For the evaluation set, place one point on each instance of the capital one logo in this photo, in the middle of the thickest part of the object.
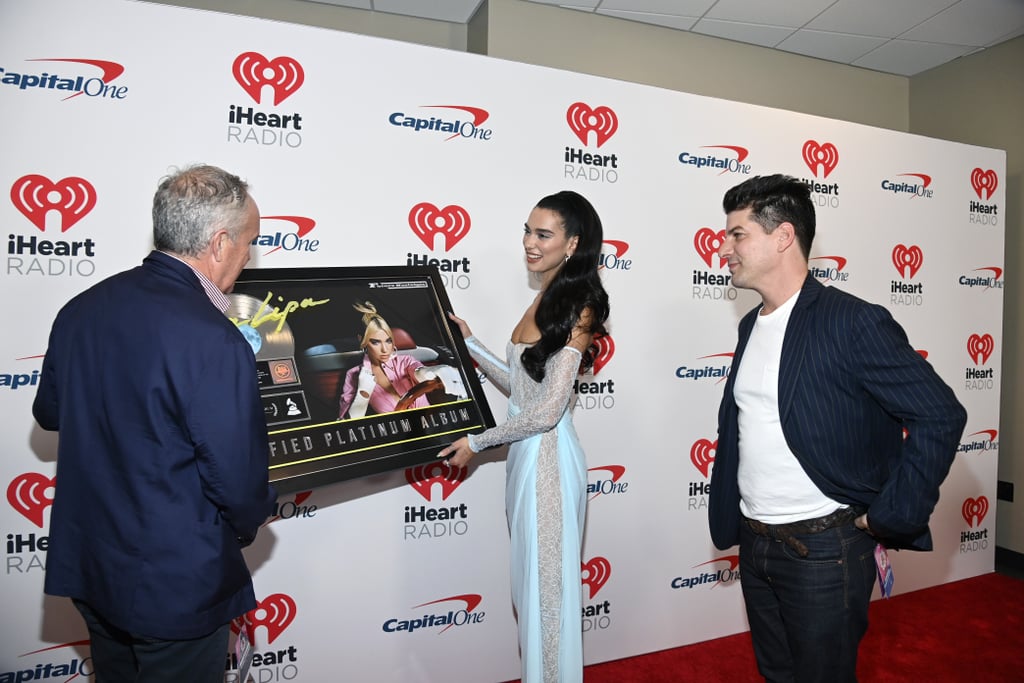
(36, 195)
(606, 485)
(582, 120)
(289, 241)
(427, 221)
(613, 260)
(423, 478)
(91, 87)
(907, 260)
(984, 183)
(974, 510)
(253, 71)
(702, 455)
(605, 350)
(707, 242)
(824, 157)
(274, 613)
(30, 494)
(980, 347)
(594, 574)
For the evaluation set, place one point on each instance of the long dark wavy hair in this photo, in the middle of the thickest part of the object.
(575, 288)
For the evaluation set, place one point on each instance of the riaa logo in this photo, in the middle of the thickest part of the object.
(254, 73)
(293, 238)
(594, 574)
(449, 224)
(706, 284)
(435, 522)
(821, 159)
(974, 511)
(93, 86)
(984, 184)
(907, 261)
(586, 122)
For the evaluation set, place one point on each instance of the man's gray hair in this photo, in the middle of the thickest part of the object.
(192, 204)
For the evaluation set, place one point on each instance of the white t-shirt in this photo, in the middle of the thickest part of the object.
(774, 488)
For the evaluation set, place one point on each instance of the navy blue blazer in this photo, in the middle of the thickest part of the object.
(849, 383)
(162, 457)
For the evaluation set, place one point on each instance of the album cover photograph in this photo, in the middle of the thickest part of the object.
(360, 369)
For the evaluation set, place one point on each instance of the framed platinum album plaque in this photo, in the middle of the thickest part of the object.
(360, 370)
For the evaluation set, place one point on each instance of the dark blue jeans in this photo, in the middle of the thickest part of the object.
(807, 615)
(122, 657)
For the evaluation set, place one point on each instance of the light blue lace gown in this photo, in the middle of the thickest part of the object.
(545, 501)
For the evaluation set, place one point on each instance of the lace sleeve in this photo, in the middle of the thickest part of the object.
(492, 366)
(542, 415)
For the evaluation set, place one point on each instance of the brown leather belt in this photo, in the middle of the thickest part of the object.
(787, 532)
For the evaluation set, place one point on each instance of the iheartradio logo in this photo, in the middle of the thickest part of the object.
(974, 510)
(253, 71)
(907, 260)
(702, 455)
(980, 347)
(274, 612)
(27, 493)
(595, 574)
(824, 156)
(984, 183)
(427, 221)
(605, 350)
(707, 243)
(423, 478)
(582, 120)
(35, 196)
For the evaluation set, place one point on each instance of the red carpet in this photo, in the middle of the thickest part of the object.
(970, 630)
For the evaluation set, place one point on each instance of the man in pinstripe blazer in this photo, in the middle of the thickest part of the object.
(834, 436)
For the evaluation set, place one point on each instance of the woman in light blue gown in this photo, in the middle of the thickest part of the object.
(545, 491)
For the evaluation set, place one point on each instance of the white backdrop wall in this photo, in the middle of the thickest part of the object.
(100, 98)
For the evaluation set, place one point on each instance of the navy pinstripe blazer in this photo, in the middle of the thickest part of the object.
(849, 384)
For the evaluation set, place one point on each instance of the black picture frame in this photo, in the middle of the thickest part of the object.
(306, 335)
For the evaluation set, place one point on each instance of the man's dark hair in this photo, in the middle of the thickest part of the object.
(775, 199)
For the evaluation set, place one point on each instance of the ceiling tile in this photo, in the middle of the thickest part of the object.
(356, 4)
(755, 34)
(835, 47)
(883, 18)
(792, 13)
(677, 8)
(906, 57)
(970, 22)
(676, 22)
(457, 11)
